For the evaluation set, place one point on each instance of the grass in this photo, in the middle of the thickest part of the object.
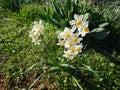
(22, 62)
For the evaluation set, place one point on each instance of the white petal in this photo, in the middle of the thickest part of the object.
(80, 28)
(83, 34)
(72, 22)
(80, 39)
(85, 24)
(66, 29)
(35, 22)
(76, 17)
(80, 31)
(40, 22)
(80, 17)
(73, 28)
(58, 32)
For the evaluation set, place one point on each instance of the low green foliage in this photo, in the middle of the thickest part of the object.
(16, 5)
(30, 12)
(13, 5)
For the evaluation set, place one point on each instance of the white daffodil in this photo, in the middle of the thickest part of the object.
(38, 24)
(84, 29)
(76, 39)
(61, 43)
(69, 43)
(36, 41)
(66, 34)
(79, 48)
(77, 22)
(32, 34)
(68, 54)
(73, 50)
(39, 31)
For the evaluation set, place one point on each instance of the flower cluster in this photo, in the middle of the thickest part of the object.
(71, 38)
(36, 32)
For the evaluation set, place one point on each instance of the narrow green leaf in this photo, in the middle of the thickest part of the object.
(77, 83)
(101, 35)
(68, 4)
(67, 65)
(89, 69)
(97, 30)
(103, 25)
(54, 69)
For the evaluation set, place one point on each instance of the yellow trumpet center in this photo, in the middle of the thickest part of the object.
(61, 44)
(75, 40)
(70, 44)
(68, 54)
(79, 49)
(39, 31)
(32, 34)
(73, 50)
(35, 40)
(86, 29)
(68, 35)
(38, 25)
(79, 22)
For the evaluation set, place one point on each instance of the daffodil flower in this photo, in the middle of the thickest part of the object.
(68, 54)
(84, 29)
(80, 25)
(77, 22)
(36, 41)
(37, 30)
(66, 34)
(69, 44)
(61, 43)
(79, 48)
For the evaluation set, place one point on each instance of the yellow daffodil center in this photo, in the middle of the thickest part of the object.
(70, 44)
(74, 56)
(75, 40)
(38, 31)
(61, 44)
(35, 40)
(68, 35)
(79, 49)
(73, 50)
(68, 54)
(79, 22)
(32, 34)
(38, 25)
(86, 29)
